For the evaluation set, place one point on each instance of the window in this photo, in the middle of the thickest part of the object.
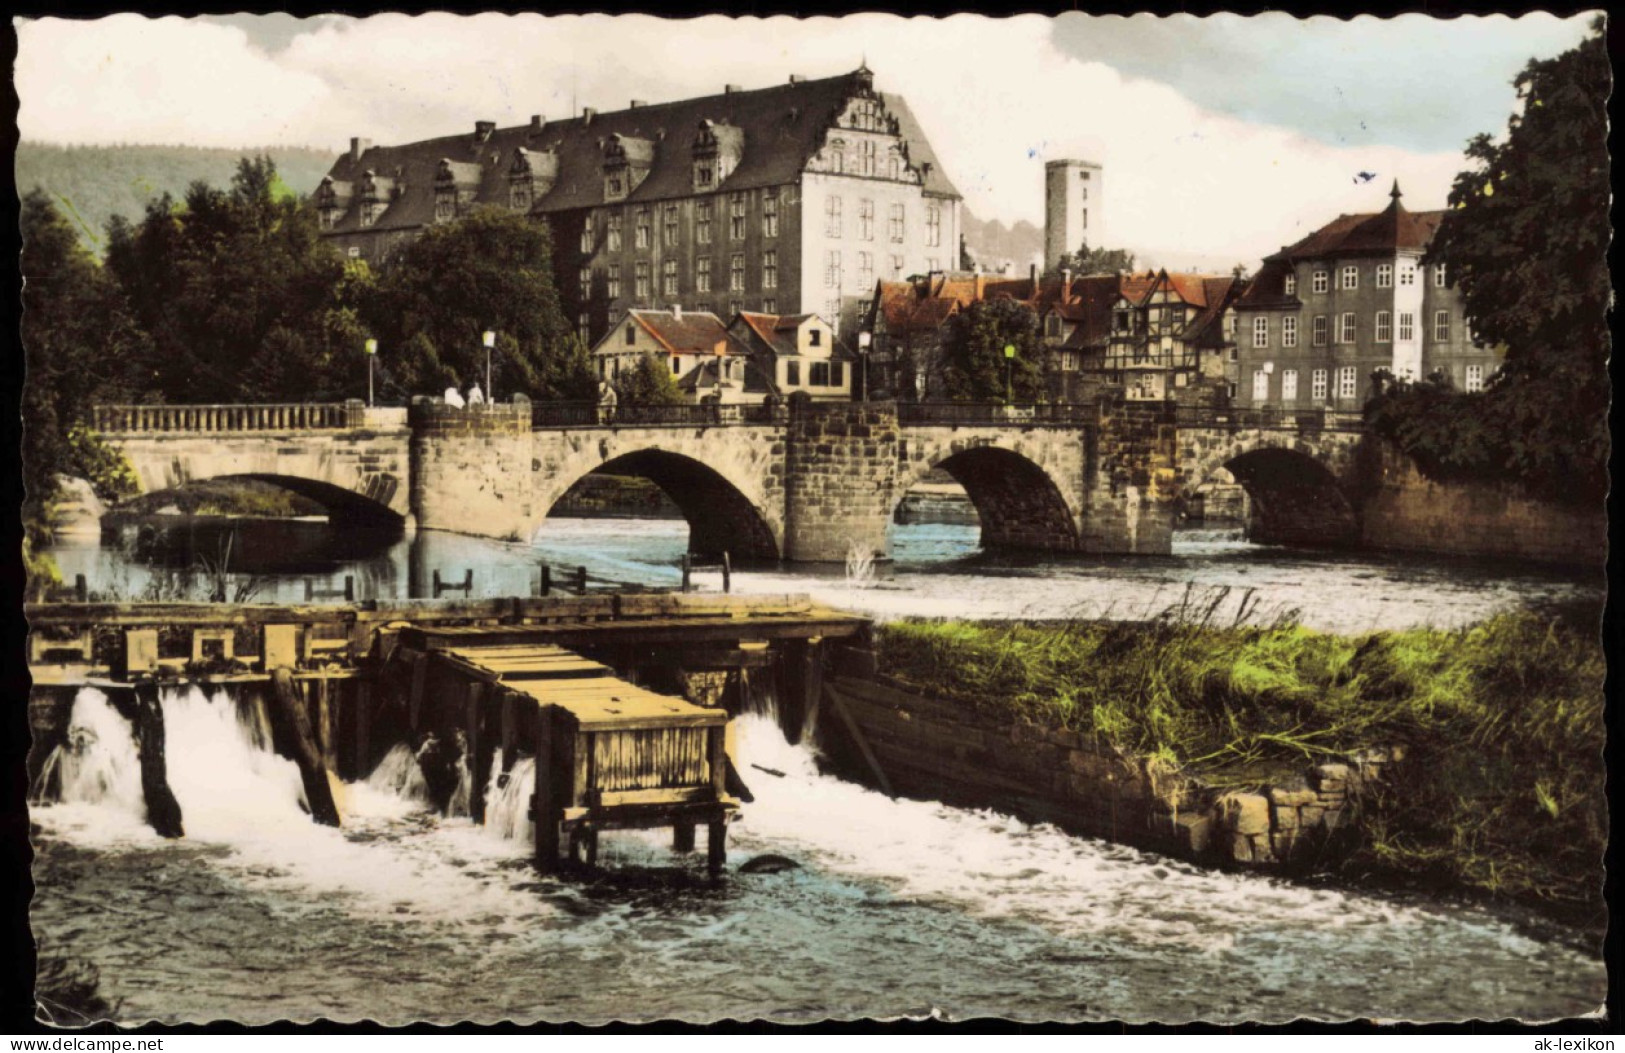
(815, 338)
(1261, 386)
(702, 174)
(354, 252)
(792, 373)
(770, 306)
(933, 225)
(1385, 275)
(1345, 382)
(702, 222)
(1317, 385)
(586, 237)
(866, 219)
(736, 217)
(1345, 328)
(832, 269)
(1322, 281)
(1085, 219)
(669, 233)
(866, 157)
(736, 273)
(614, 232)
(866, 269)
(770, 270)
(832, 217)
(837, 374)
(1318, 335)
(1289, 330)
(1475, 378)
(586, 282)
(445, 208)
(1407, 273)
(702, 276)
(676, 363)
(818, 375)
(1291, 285)
(770, 213)
(1261, 331)
(832, 310)
(584, 329)
(668, 278)
(1289, 385)
(1438, 276)
(733, 308)
(1407, 326)
(612, 281)
(642, 235)
(1441, 326)
(894, 221)
(640, 279)
(631, 334)
(892, 169)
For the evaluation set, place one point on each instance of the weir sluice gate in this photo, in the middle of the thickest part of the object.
(622, 703)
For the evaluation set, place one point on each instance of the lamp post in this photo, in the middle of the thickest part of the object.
(372, 356)
(1009, 365)
(490, 340)
(864, 340)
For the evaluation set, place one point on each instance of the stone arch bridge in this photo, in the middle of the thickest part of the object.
(810, 483)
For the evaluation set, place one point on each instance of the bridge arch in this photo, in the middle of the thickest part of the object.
(1303, 490)
(1027, 491)
(731, 502)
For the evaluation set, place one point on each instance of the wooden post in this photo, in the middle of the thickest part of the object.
(420, 676)
(468, 582)
(581, 581)
(716, 847)
(81, 589)
(349, 588)
(363, 730)
(812, 679)
(688, 569)
(510, 730)
(163, 811)
(318, 792)
(682, 837)
(327, 720)
(547, 579)
(310, 590)
(479, 758)
(727, 573)
(862, 743)
(544, 803)
(437, 584)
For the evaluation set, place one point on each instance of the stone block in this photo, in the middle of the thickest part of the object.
(1285, 817)
(140, 650)
(280, 647)
(1330, 777)
(1241, 848)
(1292, 798)
(1247, 813)
(1262, 853)
(1281, 843)
(1310, 815)
(1193, 831)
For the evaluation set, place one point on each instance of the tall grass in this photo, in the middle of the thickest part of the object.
(1502, 787)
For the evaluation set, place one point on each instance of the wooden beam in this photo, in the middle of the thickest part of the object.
(545, 805)
(861, 742)
(163, 811)
(479, 754)
(420, 676)
(318, 791)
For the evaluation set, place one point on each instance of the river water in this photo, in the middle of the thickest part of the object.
(897, 908)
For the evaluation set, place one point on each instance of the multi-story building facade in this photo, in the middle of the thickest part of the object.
(1354, 297)
(785, 200)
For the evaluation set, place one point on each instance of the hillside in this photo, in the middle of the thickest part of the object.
(92, 184)
(992, 243)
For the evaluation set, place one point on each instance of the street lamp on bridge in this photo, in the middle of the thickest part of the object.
(1009, 365)
(372, 356)
(490, 339)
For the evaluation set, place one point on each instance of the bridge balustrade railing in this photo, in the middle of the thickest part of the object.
(994, 413)
(595, 415)
(287, 416)
(1308, 421)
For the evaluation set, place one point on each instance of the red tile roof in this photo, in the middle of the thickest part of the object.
(693, 333)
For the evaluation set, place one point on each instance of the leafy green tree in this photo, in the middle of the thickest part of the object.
(648, 383)
(1087, 261)
(973, 362)
(81, 346)
(967, 262)
(1525, 240)
(490, 271)
(242, 297)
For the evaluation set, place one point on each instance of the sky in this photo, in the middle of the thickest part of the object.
(1222, 137)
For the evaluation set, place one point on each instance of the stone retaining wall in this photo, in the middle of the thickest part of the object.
(948, 751)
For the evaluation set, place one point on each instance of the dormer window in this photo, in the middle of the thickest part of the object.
(626, 163)
(716, 151)
(445, 205)
(531, 174)
(519, 197)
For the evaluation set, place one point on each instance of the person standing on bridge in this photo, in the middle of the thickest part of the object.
(453, 398)
(476, 397)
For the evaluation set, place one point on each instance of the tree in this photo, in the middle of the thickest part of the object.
(967, 262)
(974, 365)
(648, 383)
(81, 346)
(490, 271)
(1525, 240)
(1087, 261)
(242, 297)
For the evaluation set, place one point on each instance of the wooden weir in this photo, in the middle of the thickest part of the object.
(610, 754)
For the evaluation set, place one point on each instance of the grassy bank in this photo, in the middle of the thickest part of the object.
(226, 497)
(1502, 789)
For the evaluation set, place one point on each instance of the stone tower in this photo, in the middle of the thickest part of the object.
(1074, 208)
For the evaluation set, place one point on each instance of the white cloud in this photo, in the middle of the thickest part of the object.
(996, 96)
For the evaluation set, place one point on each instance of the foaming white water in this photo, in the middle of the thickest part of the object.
(996, 865)
(399, 775)
(98, 762)
(507, 801)
(236, 794)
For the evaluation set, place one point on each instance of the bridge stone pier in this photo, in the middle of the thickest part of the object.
(814, 482)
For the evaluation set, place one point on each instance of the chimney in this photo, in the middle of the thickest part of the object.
(483, 130)
(587, 114)
(731, 89)
(359, 147)
(925, 168)
(1066, 281)
(796, 78)
(677, 311)
(637, 104)
(536, 124)
(1032, 274)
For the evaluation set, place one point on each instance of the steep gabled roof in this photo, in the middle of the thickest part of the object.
(692, 333)
(782, 127)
